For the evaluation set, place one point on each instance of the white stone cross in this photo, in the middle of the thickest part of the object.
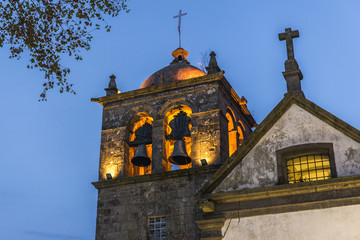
(179, 25)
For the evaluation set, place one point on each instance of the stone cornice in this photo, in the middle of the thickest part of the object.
(333, 184)
(156, 176)
(161, 88)
(328, 193)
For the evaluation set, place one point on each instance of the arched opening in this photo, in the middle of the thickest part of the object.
(232, 132)
(136, 123)
(241, 130)
(168, 145)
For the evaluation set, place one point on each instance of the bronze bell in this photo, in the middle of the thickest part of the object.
(141, 158)
(179, 155)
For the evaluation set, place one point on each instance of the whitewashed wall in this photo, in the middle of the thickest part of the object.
(296, 126)
(330, 224)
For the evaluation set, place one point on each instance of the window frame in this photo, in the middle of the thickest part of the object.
(148, 224)
(285, 154)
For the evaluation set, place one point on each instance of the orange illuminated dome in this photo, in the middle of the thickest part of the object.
(179, 69)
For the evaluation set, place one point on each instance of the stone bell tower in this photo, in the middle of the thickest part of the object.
(159, 144)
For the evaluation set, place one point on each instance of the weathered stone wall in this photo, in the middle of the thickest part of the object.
(226, 100)
(208, 133)
(202, 99)
(112, 153)
(297, 126)
(205, 137)
(123, 210)
(330, 223)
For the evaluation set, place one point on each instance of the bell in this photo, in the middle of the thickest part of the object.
(179, 155)
(141, 158)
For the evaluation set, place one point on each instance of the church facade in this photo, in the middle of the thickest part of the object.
(179, 160)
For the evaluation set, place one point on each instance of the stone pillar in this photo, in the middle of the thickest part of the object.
(224, 138)
(293, 81)
(112, 157)
(205, 137)
(157, 142)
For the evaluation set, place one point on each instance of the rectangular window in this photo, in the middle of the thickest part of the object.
(306, 162)
(157, 228)
(308, 168)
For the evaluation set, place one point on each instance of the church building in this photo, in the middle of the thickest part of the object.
(182, 158)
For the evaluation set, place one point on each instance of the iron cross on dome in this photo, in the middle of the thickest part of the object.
(179, 24)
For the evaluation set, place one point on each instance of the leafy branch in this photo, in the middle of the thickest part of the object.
(49, 29)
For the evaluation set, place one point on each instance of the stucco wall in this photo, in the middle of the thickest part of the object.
(330, 223)
(297, 126)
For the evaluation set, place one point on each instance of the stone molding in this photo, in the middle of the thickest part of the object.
(211, 228)
(331, 184)
(329, 193)
(156, 176)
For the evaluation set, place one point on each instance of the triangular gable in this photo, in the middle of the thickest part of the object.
(267, 124)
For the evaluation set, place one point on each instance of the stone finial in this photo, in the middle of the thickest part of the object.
(213, 66)
(112, 89)
(292, 73)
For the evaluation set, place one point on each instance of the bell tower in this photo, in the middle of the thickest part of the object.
(160, 143)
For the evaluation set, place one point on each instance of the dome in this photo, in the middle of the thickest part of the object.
(179, 69)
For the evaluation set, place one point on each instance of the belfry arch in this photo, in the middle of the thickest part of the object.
(168, 144)
(136, 122)
(232, 131)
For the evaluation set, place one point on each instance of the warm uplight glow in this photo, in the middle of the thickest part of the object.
(240, 133)
(178, 74)
(187, 73)
(203, 162)
(110, 168)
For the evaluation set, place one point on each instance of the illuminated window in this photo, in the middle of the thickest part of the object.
(157, 228)
(306, 162)
(308, 168)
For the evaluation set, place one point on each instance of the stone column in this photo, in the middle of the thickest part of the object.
(224, 138)
(112, 158)
(205, 137)
(157, 151)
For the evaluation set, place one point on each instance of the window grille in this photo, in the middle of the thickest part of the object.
(157, 228)
(308, 168)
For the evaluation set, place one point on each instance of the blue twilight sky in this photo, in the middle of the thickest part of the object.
(50, 151)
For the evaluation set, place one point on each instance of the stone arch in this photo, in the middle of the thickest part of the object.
(241, 133)
(232, 131)
(177, 102)
(129, 114)
(171, 111)
(137, 119)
